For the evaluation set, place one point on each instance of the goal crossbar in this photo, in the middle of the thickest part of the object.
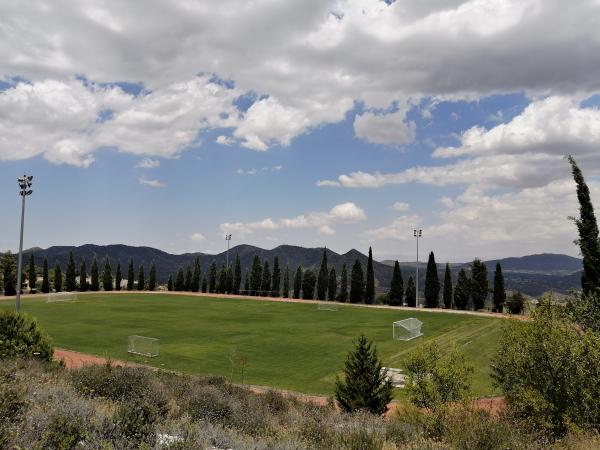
(407, 329)
(143, 346)
(61, 297)
(327, 306)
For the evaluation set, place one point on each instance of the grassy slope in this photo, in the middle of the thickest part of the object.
(287, 345)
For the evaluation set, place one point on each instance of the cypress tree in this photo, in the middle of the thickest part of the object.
(366, 386)
(187, 284)
(152, 277)
(179, 280)
(308, 284)
(170, 283)
(286, 281)
(462, 290)
(204, 284)
(357, 283)
(70, 276)
(83, 283)
(10, 281)
(57, 278)
(130, 276)
(256, 275)
(118, 277)
(370, 286)
(95, 275)
(107, 278)
(32, 275)
(588, 233)
(298, 282)
(212, 278)
(432, 284)
(323, 278)
(479, 285)
(276, 277)
(396, 294)
(448, 288)
(195, 285)
(45, 278)
(247, 282)
(499, 292)
(266, 279)
(141, 284)
(229, 285)
(344, 284)
(411, 293)
(222, 280)
(332, 285)
(237, 275)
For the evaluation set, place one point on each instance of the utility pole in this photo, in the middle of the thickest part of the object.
(228, 239)
(24, 190)
(418, 234)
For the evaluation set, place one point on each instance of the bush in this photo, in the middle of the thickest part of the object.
(20, 336)
(515, 303)
(63, 433)
(136, 420)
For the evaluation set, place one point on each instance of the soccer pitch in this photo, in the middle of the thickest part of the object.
(285, 345)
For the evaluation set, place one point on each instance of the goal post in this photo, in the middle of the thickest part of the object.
(53, 297)
(407, 329)
(143, 346)
(327, 306)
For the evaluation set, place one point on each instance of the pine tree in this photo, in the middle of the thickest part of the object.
(396, 295)
(222, 280)
(256, 275)
(95, 276)
(276, 277)
(357, 283)
(170, 283)
(432, 284)
(212, 278)
(195, 286)
(70, 276)
(188, 279)
(118, 277)
(204, 286)
(366, 386)
(32, 274)
(499, 292)
(286, 281)
(411, 293)
(179, 280)
(237, 275)
(45, 278)
(309, 280)
(344, 284)
(152, 277)
(83, 283)
(247, 284)
(10, 279)
(265, 284)
(370, 286)
(130, 276)
(323, 278)
(107, 278)
(588, 233)
(229, 285)
(298, 282)
(332, 285)
(141, 284)
(448, 288)
(57, 278)
(479, 285)
(462, 290)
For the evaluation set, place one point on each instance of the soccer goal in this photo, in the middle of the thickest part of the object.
(407, 329)
(61, 297)
(142, 345)
(327, 306)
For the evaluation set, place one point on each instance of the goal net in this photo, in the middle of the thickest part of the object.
(142, 345)
(407, 329)
(61, 297)
(326, 306)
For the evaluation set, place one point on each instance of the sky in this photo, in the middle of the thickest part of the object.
(344, 124)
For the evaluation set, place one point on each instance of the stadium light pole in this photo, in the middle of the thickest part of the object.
(418, 234)
(24, 190)
(228, 239)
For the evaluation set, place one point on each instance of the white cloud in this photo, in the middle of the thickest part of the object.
(225, 140)
(151, 183)
(198, 237)
(148, 163)
(400, 206)
(257, 171)
(386, 129)
(400, 229)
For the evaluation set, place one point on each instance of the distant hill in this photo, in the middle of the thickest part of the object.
(532, 275)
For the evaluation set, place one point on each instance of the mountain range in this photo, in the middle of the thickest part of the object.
(532, 275)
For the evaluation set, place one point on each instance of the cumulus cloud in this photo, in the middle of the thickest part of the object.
(400, 206)
(386, 129)
(148, 163)
(151, 183)
(198, 237)
(225, 140)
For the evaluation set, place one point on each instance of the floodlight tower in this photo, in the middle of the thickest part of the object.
(24, 190)
(228, 239)
(417, 234)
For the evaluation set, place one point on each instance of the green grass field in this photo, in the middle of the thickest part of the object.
(287, 345)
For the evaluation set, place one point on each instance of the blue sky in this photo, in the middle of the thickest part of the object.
(344, 129)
